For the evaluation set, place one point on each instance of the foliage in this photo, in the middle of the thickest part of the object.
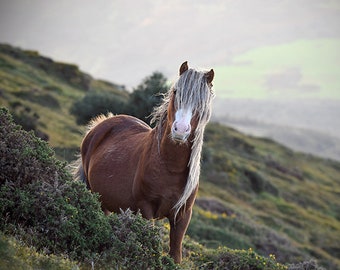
(146, 96)
(25, 117)
(225, 258)
(95, 103)
(24, 157)
(135, 243)
(202, 258)
(141, 101)
(306, 265)
(39, 200)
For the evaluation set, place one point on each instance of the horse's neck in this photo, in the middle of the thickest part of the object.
(175, 156)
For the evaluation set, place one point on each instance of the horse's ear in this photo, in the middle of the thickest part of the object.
(183, 68)
(209, 76)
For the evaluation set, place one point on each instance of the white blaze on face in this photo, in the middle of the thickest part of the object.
(181, 127)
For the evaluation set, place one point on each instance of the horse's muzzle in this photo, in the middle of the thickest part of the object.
(180, 131)
(181, 128)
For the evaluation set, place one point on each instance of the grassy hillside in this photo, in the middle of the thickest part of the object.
(255, 195)
(43, 91)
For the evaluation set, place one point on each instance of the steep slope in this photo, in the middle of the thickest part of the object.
(300, 139)
(307, 125)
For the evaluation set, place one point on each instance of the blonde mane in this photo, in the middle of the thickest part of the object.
(192, 91)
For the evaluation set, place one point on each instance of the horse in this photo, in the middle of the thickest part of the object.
(152, 170)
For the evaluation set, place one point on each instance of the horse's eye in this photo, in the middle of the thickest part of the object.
(175, 91)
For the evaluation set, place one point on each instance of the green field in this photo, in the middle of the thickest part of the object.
(312, 67)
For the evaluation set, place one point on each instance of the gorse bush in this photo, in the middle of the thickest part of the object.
(225, 258)
(136, 243)
(39, 201)
(24, 157)
(56, 219)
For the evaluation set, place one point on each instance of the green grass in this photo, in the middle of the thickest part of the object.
(16, 256)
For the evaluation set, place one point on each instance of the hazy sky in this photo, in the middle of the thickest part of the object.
(258, 48)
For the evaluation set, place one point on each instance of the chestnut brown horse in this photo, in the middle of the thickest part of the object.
(154, 170)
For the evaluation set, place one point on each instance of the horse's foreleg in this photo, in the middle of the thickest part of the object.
(177, 232)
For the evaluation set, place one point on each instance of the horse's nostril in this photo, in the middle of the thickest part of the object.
(181, 128)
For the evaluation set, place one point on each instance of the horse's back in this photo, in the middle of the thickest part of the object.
(110, 128)
(110, 153)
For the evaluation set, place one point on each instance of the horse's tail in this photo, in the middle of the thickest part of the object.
(78, 172)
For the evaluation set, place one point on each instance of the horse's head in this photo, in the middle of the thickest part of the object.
(190, 102)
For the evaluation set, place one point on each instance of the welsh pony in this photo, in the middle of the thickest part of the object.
(155, 171)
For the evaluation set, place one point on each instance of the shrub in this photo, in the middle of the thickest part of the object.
(146, 96)
(95, 103)
(142, 100)
(27, 118)
(36, 96)
(224, 258)
(58, 219)
(39, 200)
(307, 265)
(24, 158)
(135, 243)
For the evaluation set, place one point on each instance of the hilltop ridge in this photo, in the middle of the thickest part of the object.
(43, 90)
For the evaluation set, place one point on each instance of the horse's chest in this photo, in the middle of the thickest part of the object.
(163, 189)
(166, 183)
(171, 193)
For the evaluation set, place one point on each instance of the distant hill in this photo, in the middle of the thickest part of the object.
(305, 125)
(300, 139)
(254, 193)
